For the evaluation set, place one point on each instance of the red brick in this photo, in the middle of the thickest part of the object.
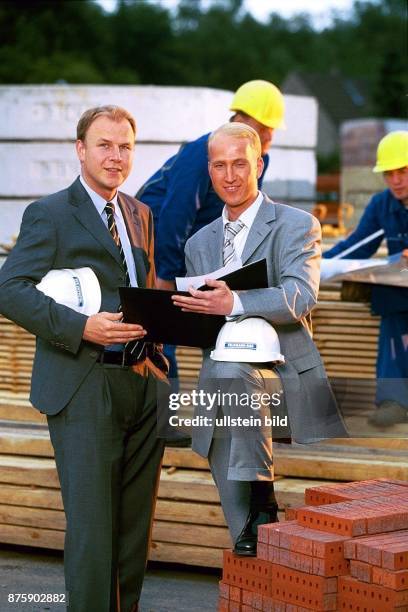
(393, 579)
(329, 494)
(290, 513)
(257, 601)
(262, 551)
(249, 566)
(224, 589)
(305, 590)
(334, 518)
(247, 597)
(373, 595)
(263, 534)
(273, 554)
(330, 566)
(235, 594)
(234, 607)
(395, 556)
(370, 548)
(245, 608)
(223, 605)
(361, 571)
(273, 605)
(354, 518)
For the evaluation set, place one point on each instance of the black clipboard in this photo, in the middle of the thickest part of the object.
(168, 324)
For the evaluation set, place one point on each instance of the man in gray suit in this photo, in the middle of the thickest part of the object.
(289, 240)
(99, 397)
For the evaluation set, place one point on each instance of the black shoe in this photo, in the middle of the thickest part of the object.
(178, 439)
(247, 539)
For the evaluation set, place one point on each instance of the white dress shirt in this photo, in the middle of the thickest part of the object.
(100, 203)
(247, 218)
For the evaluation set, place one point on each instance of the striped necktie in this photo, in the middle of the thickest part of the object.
(134, 347)
(232, 228)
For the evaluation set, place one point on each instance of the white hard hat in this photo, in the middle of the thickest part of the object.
(77, 288)
(248, 340)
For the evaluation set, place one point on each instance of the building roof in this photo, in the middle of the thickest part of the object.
(341, 97)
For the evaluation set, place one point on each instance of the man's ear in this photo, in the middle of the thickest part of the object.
(260, 166)
(80, 149)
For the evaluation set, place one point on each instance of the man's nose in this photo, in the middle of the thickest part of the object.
(229, 174)
(116, 152)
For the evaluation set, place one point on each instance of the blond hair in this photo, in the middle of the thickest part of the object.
(116, 113)
(239, 130)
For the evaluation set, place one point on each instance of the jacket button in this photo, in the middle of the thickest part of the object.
(93, 354)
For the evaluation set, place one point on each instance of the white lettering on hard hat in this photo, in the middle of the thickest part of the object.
(240, 345)
(78, 290)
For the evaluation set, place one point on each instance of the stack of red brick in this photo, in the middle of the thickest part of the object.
(346, 550)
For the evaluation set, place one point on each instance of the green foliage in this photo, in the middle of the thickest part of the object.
(76, 41)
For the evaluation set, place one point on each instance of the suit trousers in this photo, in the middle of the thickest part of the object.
(108, 459)
(240, 454)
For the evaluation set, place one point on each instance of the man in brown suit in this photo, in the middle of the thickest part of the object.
(96, 387)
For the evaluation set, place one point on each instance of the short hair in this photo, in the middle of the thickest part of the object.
(239, 130)
(116, 113)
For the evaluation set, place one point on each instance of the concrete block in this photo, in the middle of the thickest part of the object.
(163, 113)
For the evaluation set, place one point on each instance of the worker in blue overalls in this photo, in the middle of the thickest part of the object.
(387, 211)
(180, 193)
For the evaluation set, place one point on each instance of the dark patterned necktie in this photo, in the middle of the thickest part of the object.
(134, 347)
(232, 228)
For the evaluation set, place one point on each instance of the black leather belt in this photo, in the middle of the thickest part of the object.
(118, 358)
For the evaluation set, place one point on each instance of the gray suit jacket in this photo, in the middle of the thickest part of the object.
(289, 239)
(64, 230)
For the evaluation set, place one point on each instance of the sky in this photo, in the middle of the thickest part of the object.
(260, 9)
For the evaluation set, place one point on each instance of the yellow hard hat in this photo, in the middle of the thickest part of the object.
(262, 101)
(392, 152)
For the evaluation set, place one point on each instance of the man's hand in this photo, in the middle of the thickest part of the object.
(165, 284)
(106, 328)
(219, 301)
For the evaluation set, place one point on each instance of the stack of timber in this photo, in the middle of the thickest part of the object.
(188, 512)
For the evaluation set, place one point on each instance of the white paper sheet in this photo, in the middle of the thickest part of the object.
(183, 283)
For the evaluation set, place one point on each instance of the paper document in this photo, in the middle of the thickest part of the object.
(392, 271)
(332, 267)
(184, 282)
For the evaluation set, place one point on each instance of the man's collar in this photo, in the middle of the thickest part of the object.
(97, 199)
(248, 216)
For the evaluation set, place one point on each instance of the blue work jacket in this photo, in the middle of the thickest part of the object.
(182, 200)
(385, 212)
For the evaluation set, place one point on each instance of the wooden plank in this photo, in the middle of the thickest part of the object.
(29, 536)
(185, 554)
(12, 412)
(183, 533)
(34, 497)
(28, 471)
(334, 466)
(32, 517)
(291, 491)
(188, 485)
(386, 443)
(34, 443)
(184, 457)
(189, 512)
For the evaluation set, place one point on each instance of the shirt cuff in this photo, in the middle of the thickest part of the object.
(237, 308)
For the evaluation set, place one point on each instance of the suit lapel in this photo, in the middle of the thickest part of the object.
(260, 229)
(88, 216)
(134, 230)
(216, 246)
